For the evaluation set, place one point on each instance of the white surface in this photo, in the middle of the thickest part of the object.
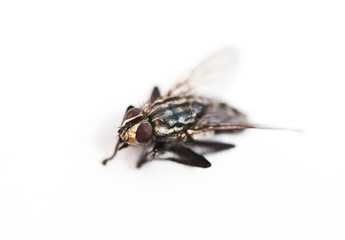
(70, 68)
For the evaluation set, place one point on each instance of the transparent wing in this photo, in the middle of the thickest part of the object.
(210, 75)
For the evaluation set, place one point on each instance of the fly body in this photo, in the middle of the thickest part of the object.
(170, 126)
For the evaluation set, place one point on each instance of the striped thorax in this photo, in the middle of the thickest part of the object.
(170, 116)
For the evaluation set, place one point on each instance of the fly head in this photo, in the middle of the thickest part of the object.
(135, 129)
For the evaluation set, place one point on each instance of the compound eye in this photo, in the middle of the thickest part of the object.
(132, 113)
(144, 132)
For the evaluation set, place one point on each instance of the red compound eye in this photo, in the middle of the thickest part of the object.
(144, 132)
(132, 113)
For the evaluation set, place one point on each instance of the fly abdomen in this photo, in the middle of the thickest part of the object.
(172, 115)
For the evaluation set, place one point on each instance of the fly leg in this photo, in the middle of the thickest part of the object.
(187, 156)
(203, 147)
(180, 154)
(145, 158)
(148, 156)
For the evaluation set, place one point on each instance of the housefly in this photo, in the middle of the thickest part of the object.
(170, 126)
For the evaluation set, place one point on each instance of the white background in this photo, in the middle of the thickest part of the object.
(69, 69)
